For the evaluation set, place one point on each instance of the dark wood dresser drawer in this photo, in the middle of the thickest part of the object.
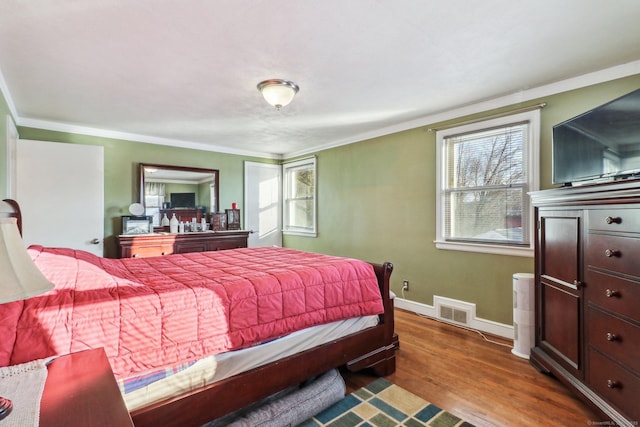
(613, 253)
(185, 247)
(615, 384)
(223, 244)
(147, 251)
(613, 293)
(615, 337)
(615, 219)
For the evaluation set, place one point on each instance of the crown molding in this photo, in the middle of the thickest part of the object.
(105, 133)
(7, 96)
(578, 82)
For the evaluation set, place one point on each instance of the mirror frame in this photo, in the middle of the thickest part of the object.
(142, 167)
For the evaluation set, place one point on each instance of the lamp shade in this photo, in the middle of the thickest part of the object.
(278, 92)
(19, 276)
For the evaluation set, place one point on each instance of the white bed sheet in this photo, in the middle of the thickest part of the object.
(224, 365)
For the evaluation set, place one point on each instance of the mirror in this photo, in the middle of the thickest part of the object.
(184, 191)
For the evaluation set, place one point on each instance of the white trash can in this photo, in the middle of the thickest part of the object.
(523, 314)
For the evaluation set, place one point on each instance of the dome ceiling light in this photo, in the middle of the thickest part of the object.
(278, 92)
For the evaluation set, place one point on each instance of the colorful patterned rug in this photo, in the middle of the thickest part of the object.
(384, 404)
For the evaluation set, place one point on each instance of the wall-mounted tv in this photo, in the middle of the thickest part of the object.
(601, 144)
(183, 200)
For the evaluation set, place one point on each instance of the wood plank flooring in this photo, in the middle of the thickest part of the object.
(479, 381)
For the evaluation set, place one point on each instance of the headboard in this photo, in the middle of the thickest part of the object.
(10, 209)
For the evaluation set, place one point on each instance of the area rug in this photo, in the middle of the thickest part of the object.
(384, 404)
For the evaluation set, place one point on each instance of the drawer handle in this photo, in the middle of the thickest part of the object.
(134, 256)
(577, 283)
(611, 253)
(613, 384)
(613, 220)
(611, 337)
(610, 294)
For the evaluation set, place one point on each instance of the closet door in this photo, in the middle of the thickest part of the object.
(60, 189)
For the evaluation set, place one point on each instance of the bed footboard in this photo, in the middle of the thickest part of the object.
(381, 360)
(372, 348)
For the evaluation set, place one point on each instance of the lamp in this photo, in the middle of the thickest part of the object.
(278, 92)
(19, 277)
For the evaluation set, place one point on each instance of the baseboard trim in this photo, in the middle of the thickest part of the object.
(483, 325)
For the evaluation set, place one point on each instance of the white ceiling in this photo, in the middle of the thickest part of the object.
(185, 72)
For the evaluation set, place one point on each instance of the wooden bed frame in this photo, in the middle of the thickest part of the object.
(373, 348)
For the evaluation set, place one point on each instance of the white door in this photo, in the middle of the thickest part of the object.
(60, 189)
(263, 203)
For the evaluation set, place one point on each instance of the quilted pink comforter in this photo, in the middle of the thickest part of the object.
(160, 311)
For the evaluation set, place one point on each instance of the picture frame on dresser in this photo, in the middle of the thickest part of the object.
(219, 221)
(137, 224)
(233, 219)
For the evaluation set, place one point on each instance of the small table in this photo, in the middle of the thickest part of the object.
(81, 391)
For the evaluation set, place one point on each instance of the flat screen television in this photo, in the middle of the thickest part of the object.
(183, 200)
(601, 144)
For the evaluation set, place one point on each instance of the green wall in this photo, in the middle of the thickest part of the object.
(376, 201)
(121, 159)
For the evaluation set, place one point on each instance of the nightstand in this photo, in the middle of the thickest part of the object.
(81, 391)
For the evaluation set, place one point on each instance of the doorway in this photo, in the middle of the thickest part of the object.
(263, 203)
(60, 189)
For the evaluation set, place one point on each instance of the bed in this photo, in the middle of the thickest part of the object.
(97, 297)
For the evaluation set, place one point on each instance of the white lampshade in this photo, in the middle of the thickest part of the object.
(19, 276)
(278, 92)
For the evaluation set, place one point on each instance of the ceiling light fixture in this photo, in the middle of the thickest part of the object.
(278, 92)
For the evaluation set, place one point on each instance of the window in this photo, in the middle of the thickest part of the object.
(300, 197)
(485, 170)
(153, 200)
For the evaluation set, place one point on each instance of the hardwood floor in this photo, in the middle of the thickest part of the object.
(481, 382)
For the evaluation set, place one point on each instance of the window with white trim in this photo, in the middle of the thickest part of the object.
(299, 201)
(485, 170)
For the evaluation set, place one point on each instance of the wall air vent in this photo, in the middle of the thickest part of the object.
(454, 311)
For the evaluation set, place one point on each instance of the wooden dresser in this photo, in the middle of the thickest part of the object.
(147, 245)
(588, 294)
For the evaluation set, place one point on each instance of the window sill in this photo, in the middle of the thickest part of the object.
(486, 249)
(300, 233)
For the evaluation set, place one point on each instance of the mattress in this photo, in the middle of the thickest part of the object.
(150, 313)
(173, 382)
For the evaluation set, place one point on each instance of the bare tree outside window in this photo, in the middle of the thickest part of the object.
(486, 185)
(300, 197)
(301, 202)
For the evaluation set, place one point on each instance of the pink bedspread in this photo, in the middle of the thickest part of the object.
(155, 312)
